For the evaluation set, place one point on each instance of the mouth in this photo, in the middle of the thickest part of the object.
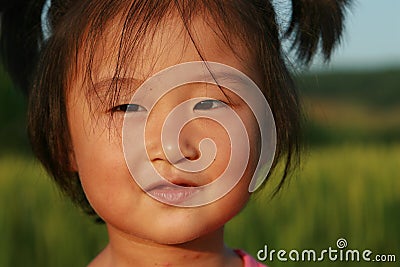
(172, 194)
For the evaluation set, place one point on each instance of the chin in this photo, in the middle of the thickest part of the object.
(185, 229)
(181, 237)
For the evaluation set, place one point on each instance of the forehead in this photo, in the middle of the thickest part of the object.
(134, 52)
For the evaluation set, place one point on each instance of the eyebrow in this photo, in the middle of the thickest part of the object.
(127, 85)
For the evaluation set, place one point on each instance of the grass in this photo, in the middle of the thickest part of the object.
(352, 106)
(39, 227)
(350, 192)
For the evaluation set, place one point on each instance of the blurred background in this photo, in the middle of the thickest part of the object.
(348, 185)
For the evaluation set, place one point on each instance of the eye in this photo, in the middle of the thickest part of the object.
(209, 104)
(129, 108)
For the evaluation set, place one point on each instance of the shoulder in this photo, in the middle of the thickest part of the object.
(248, 260)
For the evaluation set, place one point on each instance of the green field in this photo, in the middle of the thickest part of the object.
(350, 192)
(347, 187)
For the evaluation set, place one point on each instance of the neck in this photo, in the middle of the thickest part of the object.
(125, 250)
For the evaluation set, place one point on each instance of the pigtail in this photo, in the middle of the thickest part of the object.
(25, 27)
(314, 23)
(20, 39)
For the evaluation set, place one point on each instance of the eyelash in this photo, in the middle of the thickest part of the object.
(219, 104)
(138, 108)
(128, 108)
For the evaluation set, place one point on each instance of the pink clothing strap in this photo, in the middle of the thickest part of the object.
(248, 261)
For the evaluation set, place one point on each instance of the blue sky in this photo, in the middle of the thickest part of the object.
(372, 37)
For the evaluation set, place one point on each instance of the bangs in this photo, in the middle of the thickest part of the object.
(117, 35)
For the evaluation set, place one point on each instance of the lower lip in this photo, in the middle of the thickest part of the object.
(173, 196)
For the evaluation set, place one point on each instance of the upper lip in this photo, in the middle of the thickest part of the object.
(174, 180)
(170, 184)
(174, 177)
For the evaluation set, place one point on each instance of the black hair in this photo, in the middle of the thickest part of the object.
(42, 67)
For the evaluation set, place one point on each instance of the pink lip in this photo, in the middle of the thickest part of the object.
(171, 194)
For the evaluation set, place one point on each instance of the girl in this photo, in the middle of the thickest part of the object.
(90, 67)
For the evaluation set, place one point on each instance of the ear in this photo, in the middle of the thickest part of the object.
(73, 165)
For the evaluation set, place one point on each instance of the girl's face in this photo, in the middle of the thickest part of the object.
(97, 141)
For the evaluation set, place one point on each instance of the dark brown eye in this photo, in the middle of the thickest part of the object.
(129, 108)
(209, 104)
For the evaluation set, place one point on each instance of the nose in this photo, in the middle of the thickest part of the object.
(184, 150)
(180, 142)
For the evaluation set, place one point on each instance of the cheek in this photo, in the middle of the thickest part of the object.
(231, 204)
(214, 131)
(101, 164)
(234, 201)
(103, 174)
(115, 196)
(231, 149)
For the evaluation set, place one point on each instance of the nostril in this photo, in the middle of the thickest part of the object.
(196, 157)
(156, 159)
